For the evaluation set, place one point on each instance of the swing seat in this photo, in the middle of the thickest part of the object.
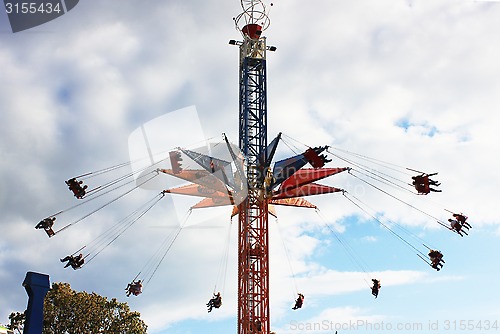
(50, 232)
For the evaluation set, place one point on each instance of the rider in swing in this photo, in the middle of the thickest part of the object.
(216, 302)
(462, 219)
(376, 287)
(79, 190)
(436, 258)
(46, 224)
(457, 227)
(76, 262)
(299, 302)
(423, 182)
(134, 288)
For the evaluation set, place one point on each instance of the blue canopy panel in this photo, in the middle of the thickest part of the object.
(265, 158)
(221, 169)
(283, 169)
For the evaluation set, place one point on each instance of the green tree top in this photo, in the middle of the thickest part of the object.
(68, 311)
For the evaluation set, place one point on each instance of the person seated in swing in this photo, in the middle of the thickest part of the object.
(216, 302)
(76, 187)
(432, 182)
(79, 261)
(313, 156)
(421, 188)
(436, 258)
(299, 302)
(462, 220)
(76, 262)
(422, 183)
(435, 190)
(376, 287)
(46, 223)
(82, 192)
(325, 158)
(457, 227)
(134, 288)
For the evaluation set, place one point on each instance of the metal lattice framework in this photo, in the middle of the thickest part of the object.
(253, 254)
(259, 186)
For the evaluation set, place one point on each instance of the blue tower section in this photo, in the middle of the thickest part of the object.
(253, 99)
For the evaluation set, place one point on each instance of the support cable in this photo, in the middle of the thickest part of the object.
(374, 161)
(419, 253)
(106, 204)
(376, 176)
(91, 198)
(348, 249)
(288, 259)
(151, 266)
(222, 273)
(118, 229)
(121, 178)
(295, 149)
(123, 164)
(105, 170)
(396, 198)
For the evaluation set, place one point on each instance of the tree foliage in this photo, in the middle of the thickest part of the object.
(17, 322)
(68, 311)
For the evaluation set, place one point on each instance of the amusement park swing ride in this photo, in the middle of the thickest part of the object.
(247, 179)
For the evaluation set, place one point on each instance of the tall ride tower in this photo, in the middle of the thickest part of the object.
(253, 254)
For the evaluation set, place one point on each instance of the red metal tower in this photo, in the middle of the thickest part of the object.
(253, 250)
(256, 186)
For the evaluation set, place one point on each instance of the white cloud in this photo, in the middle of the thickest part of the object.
(347, 74)
(370, 238)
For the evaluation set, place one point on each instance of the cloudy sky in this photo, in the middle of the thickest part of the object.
(411, 82)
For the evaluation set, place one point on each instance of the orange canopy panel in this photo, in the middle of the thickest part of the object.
(272, 210)
(197, 190)
(306, 190)
(308, 175)
(213, 201)
(199, 176)
(297, 201)
(235, 211)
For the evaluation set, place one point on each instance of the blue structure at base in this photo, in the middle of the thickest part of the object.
(36, 285)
